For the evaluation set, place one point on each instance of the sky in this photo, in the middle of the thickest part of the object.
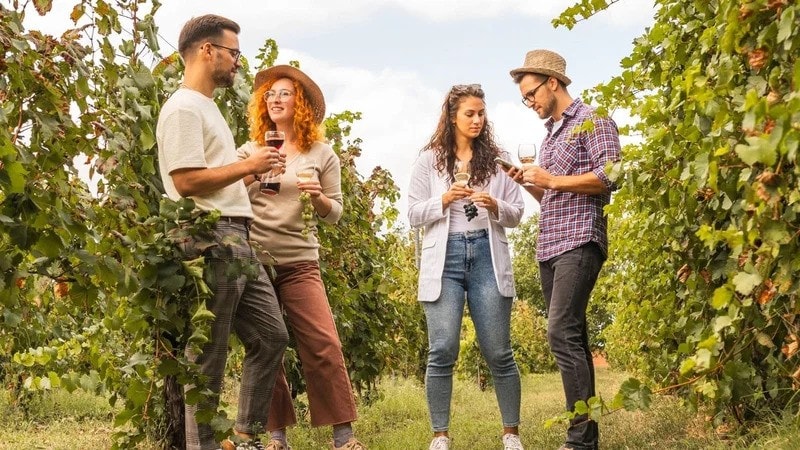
(395, 60)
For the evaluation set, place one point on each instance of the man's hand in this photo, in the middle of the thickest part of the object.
(537, 176)
(267, 159)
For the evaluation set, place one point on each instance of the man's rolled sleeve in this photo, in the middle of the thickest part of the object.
(604, 147)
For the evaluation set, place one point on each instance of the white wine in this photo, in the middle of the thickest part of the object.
(462, 177)
(527, 153)
(305, 175)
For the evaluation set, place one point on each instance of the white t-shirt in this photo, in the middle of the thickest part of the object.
(458, 215)
(192, 133)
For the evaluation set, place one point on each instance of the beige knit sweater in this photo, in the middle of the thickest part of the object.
(278, 224)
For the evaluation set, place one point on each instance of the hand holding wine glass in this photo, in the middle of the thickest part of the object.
(271, 181)
(527, 156)
(462, 175)
(306, 172)
(459, 189)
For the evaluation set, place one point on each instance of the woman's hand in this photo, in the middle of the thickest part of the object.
(313, 187)
(457, 192)
(321, 203)
(483, 199)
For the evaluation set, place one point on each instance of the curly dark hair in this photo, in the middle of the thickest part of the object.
(443, 141)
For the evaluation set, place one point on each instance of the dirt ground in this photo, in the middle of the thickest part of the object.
(600, 360)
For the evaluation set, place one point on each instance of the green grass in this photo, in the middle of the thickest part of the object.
(57, 420)
(398, 420)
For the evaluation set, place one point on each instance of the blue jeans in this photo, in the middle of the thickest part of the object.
(468, 270)
(567, 283)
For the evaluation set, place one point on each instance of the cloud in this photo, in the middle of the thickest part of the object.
(399, 113)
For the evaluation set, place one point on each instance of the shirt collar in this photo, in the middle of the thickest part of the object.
(571, 110)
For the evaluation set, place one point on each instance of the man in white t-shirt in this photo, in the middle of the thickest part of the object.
(198, 160)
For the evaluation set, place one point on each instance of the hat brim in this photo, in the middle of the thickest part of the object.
(312, 91)
(542, 71)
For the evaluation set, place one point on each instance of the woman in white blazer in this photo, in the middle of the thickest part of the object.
(465, 257)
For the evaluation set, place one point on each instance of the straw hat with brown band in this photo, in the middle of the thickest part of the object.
(544, 62)
(312, 92)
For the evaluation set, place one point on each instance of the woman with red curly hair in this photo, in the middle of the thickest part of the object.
(286, 99)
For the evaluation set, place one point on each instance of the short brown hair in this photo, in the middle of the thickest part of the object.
(204, 27)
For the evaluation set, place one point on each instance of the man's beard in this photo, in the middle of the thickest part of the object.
(222, 78)
(547, 109)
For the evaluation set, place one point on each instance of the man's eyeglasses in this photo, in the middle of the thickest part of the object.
(283, 94)
(528, 99)
(235, 52)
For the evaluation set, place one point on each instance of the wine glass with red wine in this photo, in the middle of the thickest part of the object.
(271, 181)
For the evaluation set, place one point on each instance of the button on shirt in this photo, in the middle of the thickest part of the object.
(569, 220)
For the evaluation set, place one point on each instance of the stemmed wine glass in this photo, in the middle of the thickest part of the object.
(527, 155)
(462, 176)
(271, 181)
(306, 168)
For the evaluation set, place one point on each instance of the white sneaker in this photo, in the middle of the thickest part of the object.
(440, 443)
(512, 442)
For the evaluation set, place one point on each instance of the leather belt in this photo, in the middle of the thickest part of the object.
(235, 219)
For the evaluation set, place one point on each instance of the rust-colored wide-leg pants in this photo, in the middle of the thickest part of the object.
(308, 314)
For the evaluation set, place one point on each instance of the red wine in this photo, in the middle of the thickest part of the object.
(277, 143)
(270, 188)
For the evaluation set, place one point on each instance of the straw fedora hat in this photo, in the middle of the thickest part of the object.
(544, 62)
(312, 92)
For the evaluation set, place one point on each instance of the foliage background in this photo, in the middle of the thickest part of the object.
(705, 225)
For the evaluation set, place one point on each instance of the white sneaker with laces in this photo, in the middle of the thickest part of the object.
(512, 442)
(440, 443)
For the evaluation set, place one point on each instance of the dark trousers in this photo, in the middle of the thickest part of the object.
(567, 283)
(245, 304)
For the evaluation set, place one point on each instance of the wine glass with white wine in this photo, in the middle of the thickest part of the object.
(462, 175)
(306, 169)
(527, 155)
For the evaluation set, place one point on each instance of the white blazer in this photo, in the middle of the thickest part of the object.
(425, 210)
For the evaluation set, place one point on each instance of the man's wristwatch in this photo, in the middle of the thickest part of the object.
(257, 176)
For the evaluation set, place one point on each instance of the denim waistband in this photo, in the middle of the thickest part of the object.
(467, 235)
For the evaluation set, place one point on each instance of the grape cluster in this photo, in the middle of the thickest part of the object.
(307, 214)
(471, 211)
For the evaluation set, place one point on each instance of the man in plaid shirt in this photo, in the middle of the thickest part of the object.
(572, 188)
